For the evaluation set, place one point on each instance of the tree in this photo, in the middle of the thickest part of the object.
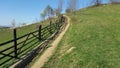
(13, 23)
(43, 14)
(114, 1)
(59, 9)
(68, 10)
(49, 11)
(96, 2)
(72, 5)
(23, 24)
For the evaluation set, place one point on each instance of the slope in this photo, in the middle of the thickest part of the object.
(92, 41)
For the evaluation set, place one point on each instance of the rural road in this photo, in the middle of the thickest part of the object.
(48, 53)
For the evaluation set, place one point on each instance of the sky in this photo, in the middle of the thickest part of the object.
(28, 11)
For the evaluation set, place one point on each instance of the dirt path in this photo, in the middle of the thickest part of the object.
(48, 53)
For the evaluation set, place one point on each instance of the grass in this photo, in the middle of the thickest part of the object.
(6, 34)
(95, 35)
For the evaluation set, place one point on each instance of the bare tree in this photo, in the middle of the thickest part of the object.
(115, 1)
(96, 2)
(23, 24)
(59, 9)
(68, 10)
(72, 5)
(13, 23)
(43, 14)
(48, 10)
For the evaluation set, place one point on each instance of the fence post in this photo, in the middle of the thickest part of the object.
(59, 23)
(40, 37)
(62, 18)
(50, 27)
(15, 42)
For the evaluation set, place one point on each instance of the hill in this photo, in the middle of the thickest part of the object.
(27, 39)
(92, 41)
(7, 34)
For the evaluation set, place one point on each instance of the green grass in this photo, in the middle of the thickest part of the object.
(95, 34)
(7, 34)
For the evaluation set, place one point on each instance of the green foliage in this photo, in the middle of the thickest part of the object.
(95, 34)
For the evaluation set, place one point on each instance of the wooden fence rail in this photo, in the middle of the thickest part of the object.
(19, 46)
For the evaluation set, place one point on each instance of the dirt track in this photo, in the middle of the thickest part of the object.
(48, 53)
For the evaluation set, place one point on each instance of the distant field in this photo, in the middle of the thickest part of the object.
(92, 41)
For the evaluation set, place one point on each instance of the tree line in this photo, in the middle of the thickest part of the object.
(50, 12)
(72, 6)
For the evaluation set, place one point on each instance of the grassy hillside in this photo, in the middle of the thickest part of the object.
(24, 47)
(92, 40)
(7, 34)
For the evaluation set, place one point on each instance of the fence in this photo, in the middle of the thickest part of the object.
(19, 46)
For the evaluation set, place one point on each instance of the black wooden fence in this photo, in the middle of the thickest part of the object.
(19, 46)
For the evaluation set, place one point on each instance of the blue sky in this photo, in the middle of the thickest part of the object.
(28, 11)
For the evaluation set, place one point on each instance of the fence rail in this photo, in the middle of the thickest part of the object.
(19, 46)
